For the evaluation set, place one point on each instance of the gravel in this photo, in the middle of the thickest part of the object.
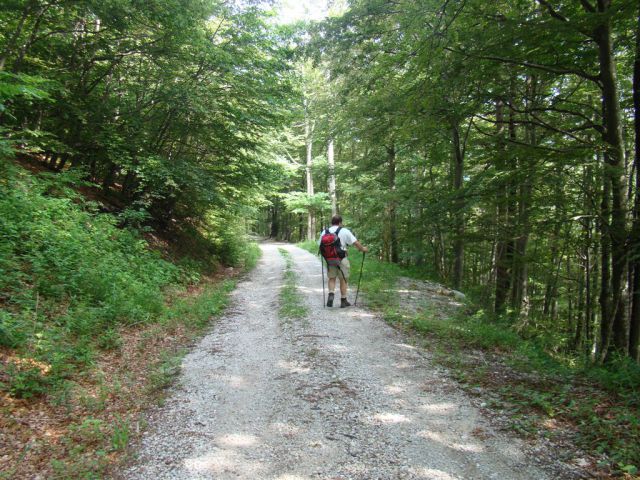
(338, 395)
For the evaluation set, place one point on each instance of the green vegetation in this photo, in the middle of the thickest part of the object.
(490, 146)
(74, 287)
(493, 144)
(292, 306)
(522, 376)
(71, 279)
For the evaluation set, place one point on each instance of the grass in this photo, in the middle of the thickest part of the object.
(103, 410)
(600, 404)
(93, 325)
(292, 306)
(520, 376)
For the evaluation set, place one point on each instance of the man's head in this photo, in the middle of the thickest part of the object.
(336, 220)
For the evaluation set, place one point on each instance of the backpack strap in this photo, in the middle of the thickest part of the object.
(341, 247)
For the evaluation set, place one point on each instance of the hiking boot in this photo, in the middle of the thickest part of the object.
(330, 300)
(344, 303)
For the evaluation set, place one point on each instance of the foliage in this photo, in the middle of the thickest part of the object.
(300, 202)
(71, 278)
(531, 385)
(470, 145)
(167, 107)
(291, 303)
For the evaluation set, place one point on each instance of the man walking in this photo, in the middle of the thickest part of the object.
(343, 268)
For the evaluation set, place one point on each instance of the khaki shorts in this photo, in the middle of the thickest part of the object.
(345, 268)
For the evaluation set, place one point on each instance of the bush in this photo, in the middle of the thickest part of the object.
(68, 278)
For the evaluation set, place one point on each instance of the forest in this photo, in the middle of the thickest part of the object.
(493, 147)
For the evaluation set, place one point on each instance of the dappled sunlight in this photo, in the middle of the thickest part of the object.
(389, 418)
(356, 313)
(310, 289)
(405, 346)
(433, 474)
(234, 381)
(237, 440)
(338, 348)
(462, 447)
(293, 367)
(398, 387)
(439, 408)
(394, 389)
(287, 429)
(225, 461)
(289, 476)
(404, 365)
(400, 290)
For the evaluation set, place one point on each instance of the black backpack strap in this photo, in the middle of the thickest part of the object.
(338, 230)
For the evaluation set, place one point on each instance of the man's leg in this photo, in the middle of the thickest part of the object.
(343, 287)
(332, 288)
(345, 270)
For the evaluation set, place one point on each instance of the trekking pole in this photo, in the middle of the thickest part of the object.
(324, 304)
(355, 304)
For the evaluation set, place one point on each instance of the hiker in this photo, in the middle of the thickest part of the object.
(338, 265)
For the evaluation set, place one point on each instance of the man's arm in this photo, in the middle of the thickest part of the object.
(360, 247)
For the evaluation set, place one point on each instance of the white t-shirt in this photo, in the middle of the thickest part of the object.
(346, 237)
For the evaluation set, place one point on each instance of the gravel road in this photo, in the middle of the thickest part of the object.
(337, 395)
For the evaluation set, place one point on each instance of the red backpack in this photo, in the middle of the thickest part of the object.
(330, 247)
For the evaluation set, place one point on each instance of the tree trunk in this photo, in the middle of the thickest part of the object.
(520, 296)
(273, 231)
(332, 178)
(551, 287)
(614, 323)
(634, 334)
(503, 277)
(392, 205)
(458, 243)
(308, 133)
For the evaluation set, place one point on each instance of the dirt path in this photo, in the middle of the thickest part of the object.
(338, 395)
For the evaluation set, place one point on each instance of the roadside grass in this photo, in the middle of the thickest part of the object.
(93, 325)
(251, 254)
(107, 405)
(540, 390)
(292, 306)
(543, 392)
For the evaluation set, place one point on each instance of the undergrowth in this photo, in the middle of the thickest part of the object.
(538, 384)
(291, 302)
(74, 287)
(70, 278)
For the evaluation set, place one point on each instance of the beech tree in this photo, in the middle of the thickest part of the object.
(499, 139)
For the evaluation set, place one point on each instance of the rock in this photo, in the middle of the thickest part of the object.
(458, 295)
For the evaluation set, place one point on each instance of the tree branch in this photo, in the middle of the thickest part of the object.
(554, 13)
(587, 6)
(537, 66)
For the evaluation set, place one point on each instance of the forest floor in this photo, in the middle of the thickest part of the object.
(82, 430)
(329, 394)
